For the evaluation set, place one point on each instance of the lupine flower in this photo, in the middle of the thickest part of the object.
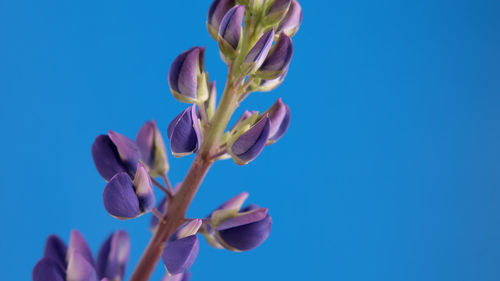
(184, 133)
(187, 77)
(291, 23)
(238, 229)
(258, 53)
(277, 11)
(152, 149)
(181, 251)
(246, 145)
(230, 31)
(278, 60)
(217, 11)
(75, 262)
(114, 153)
(125, 198)
(279, 114)
(113, 256)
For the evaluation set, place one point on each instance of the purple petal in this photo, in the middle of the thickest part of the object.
(279, 6)
(152, 148)
(234, 203)
(113, 256)
(279, 114)
(144, 188)
(179, 255)
(189, 229)
(184, 71)
(259, 52)
(77, 243)
(56, 249)
(280, 56)
(120, 199)
(79, 269)
(127, 149)
(250, 144)
(184, 132)
(251, 217)
(291, 23)
(247, 237)
(230, 27)
(106, 157)
(217, 11)
(48, 269)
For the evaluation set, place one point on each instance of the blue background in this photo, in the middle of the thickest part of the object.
(390, 169)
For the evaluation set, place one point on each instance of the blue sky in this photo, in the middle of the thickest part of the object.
(390, 169)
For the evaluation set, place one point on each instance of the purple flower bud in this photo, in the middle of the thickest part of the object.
(291, 23)
(179, 255)
(216, 13)
(77, 243)
(152, 149)
(258, 53)
(48, 269)
(184, 133)
(113, 256)
(126, 199)
(278, 60)
(186, 75)
(269, 85)
(114, 153)
(230, 31)
(245, 231)
(79, 269)
(279, 114)
(277, 11)
(56, 249)
(246, 146)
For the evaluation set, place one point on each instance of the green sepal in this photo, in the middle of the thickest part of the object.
(182, 98)
(269, 75)
(212, 31)
(203, 89)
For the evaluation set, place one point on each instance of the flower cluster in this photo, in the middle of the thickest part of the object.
(255, 40)
(76, 263)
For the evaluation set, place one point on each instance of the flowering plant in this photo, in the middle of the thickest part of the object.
(254, 38)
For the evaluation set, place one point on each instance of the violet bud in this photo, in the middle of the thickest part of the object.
(230, 32)
(246, 231)
(181, 252)
(217, 11)
(113, 256)
(152, 149)
(279, 114)
(262, 85)
(276, 12)
(278, 60)
(185, 276)
(179, 255)
(247, 144)
(56, 249)
(187, 77)
(79, 269)
(184, 133)
(114, 153)
(292, 20)
(126, 199)
(258, 53)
